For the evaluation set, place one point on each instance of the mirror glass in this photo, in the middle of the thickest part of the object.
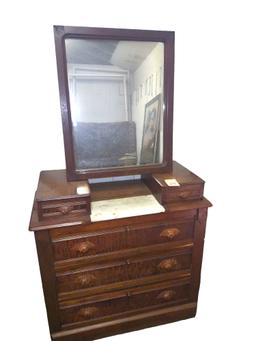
(116, 100)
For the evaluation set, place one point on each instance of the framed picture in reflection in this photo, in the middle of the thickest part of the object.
(150, 131)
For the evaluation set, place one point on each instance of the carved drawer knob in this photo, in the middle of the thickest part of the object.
(168, 264)
(166, 295)
(84, 247)
(184, 195)
(86, 279)
(170, 233)
(65, 209)
(87, 313)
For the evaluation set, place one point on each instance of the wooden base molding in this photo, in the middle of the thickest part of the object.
(128, 324)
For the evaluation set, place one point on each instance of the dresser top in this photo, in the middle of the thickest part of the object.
(53, 185)
(180, 173)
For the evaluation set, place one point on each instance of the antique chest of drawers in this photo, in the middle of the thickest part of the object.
(115, 275)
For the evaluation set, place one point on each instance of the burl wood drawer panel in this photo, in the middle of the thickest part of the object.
(60, 208)
(94, 243)
(123, 270)
(119, 302)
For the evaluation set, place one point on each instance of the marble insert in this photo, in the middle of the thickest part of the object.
(124, 207)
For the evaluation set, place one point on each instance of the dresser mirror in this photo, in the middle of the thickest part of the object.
(116, 89)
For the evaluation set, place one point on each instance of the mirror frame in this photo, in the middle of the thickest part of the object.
(167, 37)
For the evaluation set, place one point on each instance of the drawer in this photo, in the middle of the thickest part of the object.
(190, 186)
(123, 270)
(149, 234)
(92, 243)
(126, 237)
(61, 208)
(182, 193)
(152, 296)
(57, 198)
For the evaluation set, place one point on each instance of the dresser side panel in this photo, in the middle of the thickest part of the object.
(46, 263)
(197, 255)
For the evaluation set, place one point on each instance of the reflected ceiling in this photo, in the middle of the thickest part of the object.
(109, 52)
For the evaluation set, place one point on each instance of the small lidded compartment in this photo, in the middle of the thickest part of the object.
(55, 197)
(175, 186)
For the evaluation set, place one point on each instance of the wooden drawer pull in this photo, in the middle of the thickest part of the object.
(168, 264)
(83, 247)
(86, 279)
(166, 295)
(184, 195)
(170, 233)
(87, 313)
(65, 209)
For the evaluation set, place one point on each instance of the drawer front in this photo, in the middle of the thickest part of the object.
(90, 245)
(184, 192)
(149, 234)
(64, 207)
(123, 238)
(122, 271)
(139, 298)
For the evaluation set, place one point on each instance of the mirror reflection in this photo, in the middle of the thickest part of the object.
(116, 92)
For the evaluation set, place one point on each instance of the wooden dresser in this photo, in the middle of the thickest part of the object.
(121, 274)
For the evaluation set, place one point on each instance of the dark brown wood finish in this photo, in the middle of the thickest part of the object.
(79, 262)
(63, 32)
(120, 301)
(46, 263)
(119, 275)
(76, 295)
(191, 186)
(121, 238)
(122, 270)
(197, 255)
(128, 323)
(114, 276)
(56, 197)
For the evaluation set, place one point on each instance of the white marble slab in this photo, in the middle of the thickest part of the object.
(125, 207)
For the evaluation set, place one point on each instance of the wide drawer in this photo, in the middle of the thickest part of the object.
(97, 307)
(125, 237)
(123, 270)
